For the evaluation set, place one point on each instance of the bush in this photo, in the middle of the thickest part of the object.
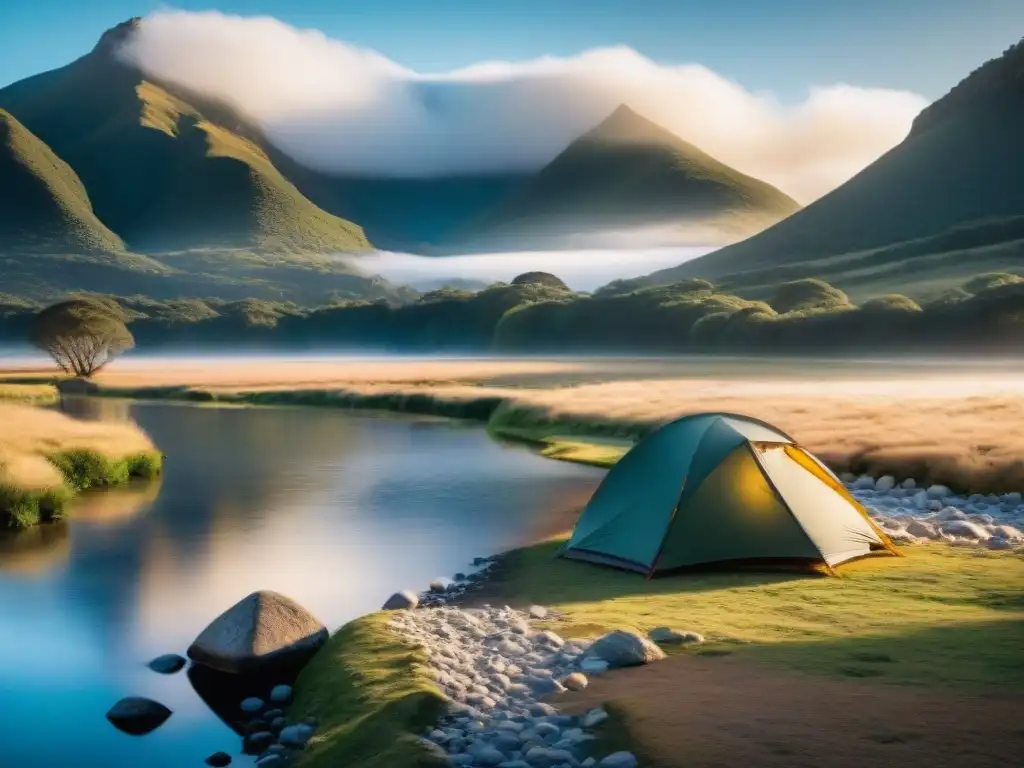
(810, 293)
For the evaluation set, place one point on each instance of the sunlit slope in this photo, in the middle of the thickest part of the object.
(962, 163)
(163, 173)
(630, 172)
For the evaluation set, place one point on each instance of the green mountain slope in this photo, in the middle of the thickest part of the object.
(43, 203)
(164, 172)
(630, 172)
(958, 171)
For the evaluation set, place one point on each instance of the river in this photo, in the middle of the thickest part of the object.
(335, 510)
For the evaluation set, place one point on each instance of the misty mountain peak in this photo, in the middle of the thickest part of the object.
(626, 125)
(114, 37)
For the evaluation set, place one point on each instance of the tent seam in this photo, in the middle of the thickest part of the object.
(782, 500)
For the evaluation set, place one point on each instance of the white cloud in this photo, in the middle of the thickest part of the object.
(338, 107)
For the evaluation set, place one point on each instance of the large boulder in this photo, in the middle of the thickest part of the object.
(623, 648)
(261, 632)
(137, 715)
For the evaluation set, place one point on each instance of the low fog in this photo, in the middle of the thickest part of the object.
(340, 108)
(581, 270)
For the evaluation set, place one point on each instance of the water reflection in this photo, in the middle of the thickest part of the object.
(333, 510)
(40, 549)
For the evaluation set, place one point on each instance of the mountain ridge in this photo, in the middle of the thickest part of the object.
(628, 171)
(960, 165)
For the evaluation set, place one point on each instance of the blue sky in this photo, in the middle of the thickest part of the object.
(783, 46)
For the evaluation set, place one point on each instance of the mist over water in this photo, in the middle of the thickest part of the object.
(581, 269)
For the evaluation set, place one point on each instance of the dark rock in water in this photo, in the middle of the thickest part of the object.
(277, 724)
(167, 664)
(222, 692)
(478, 561)
(273, 714)
(401, 601)
(262, 631)
(138, 716)
(77, 386)
(296, 735)
(459, 576)
(251, 705)
(219, 759)
(257, 743)
(280, 694)
(257, 725)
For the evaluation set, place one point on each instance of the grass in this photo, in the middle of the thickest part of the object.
(35, 394)
(884, 412)
(370, 693)
(939, 616)
(46, 458)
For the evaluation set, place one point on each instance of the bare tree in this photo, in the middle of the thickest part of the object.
(82, 335)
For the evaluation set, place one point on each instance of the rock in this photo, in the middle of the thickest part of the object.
(1008, 532)
(549, 639)
(277, 724)
(272, 760)
(280, 694)
(667, 636)
(219, 759)
(273, 714)
(401, 601)
(1013, 498)
(864, 483)
(966, 529)
(938, 492)
(922, 529)
(594, 717)
(487, 755)
(997, 543)
(295, 735)
(920, 500)
(257, 743)
(951, 513)
(251, 705)
(261, 631)
(618, 760)
(885, 483)
(577, 681)
(538, 612)
(623, 648)
(594, 666)
(909, 483)
(440, 585)
(137, 715)
(77, 386)
(167, 664)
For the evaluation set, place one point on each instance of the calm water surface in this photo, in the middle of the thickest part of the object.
(336, 511)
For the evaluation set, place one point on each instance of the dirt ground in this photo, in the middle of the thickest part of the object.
(726, 712)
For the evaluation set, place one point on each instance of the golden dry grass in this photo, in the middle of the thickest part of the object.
(956, 424)
(30, 435)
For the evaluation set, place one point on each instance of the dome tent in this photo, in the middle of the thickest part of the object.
(715, 487)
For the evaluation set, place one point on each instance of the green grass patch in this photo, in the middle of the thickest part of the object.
(938, 616)
(370, 694)
(22, 508)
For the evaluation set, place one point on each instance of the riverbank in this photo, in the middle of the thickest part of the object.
(46, 458)
(936, 422)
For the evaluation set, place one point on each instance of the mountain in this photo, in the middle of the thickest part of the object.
(937, 207)
(628, 173)
(43, 203)
(166, 171)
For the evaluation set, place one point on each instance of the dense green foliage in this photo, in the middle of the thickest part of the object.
(82, 335)
(956, 173)
(629, 172)
(535, 315)
(82, 470)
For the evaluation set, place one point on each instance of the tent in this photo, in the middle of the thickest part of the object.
(715, 487)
